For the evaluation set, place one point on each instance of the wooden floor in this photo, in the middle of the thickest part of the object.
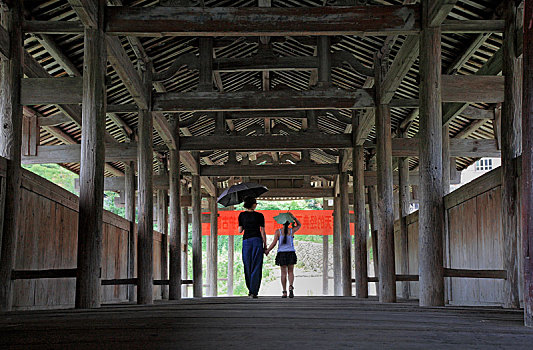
(267, 323)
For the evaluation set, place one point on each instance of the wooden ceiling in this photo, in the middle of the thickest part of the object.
(461, 54)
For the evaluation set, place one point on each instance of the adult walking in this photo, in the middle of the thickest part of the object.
(252, 224)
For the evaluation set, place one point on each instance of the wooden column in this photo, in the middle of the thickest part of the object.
(129, 204)
(10, 147)
(213, 241)
(346, 254)
(446, 160)
(387, 272)
(372, 208)
(145, 270)
(184, 248)
(175, 233)
(511, 149)
(431, 222)
(196, 236)
(527, 165)
(337, 281)
(163, 229)
(206, 64)
(324, 61)
(91, 203)
(361, 228)
(404, 204)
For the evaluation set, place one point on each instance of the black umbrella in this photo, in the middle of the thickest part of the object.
(236, 193)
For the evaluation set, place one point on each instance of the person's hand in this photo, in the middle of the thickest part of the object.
(266, 251)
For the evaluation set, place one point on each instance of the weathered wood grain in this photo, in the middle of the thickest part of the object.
(431, 227)
(176, 261)
(10, 148)
(40, 91)
(262, 21)
(196, 237)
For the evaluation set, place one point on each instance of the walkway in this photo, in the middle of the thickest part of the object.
(267, 323)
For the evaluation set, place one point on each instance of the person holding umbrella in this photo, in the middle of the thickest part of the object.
(286, 257)
(252, 224)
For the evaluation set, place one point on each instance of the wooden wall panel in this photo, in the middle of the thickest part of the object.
(48, 240)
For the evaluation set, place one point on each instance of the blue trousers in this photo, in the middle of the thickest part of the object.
(252, 258)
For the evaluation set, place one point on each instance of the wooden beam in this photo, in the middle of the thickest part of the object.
(40, 91)
(262, 100)
(266, 114)
(258, 21)
(511, 149)
(431, 210)
(402, 147)
(90, 224)
(85, 9)
(10, 148)
(473, 26)
(122, 108)
(472, 88)
(119, 152)
(53, 27)
(265, 143)
(439, 10)
(53, 120)
(269, 170)
(527, 167)
(53, 49)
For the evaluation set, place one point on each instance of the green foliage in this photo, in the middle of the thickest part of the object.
(54, 173)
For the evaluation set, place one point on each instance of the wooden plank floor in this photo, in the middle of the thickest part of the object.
(267, 323)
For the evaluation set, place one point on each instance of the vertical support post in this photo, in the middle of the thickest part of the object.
(231, 263)
(91, 203)
(10, 148)
(511, 149)
(387, 272)
(129, 204)
(213, 241)
(162, 224)
(337, 282)
(527, 164)
(324, 61)
(196, 235)
(446, 160)
(175, 269)
(346, 238)
(361, 228)
(372, 208)
(206, 64)
(145, 240)
(431, 222)
(404, 204)
(184, 247)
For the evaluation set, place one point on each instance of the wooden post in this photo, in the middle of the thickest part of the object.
(527, 165)
(129, 204)
(361, 228)
(163, 229)
(213, 241)
(145, 270)
(510, 150)
(372, 208)
(184, 247)
(346, 245)
(404, 204)
(206, 64)
(431, 222)
(10, 148)
(446, 160)
(324, 61)
(91, 204)
(337, 282)
(196, 236)
(387, 272)
(175, 269)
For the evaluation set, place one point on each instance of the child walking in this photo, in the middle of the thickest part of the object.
(286, 256)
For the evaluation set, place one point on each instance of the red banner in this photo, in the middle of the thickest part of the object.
(314, 222)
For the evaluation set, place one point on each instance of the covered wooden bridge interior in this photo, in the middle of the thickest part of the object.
(171, 101)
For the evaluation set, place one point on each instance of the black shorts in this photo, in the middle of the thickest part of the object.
(286, 258)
